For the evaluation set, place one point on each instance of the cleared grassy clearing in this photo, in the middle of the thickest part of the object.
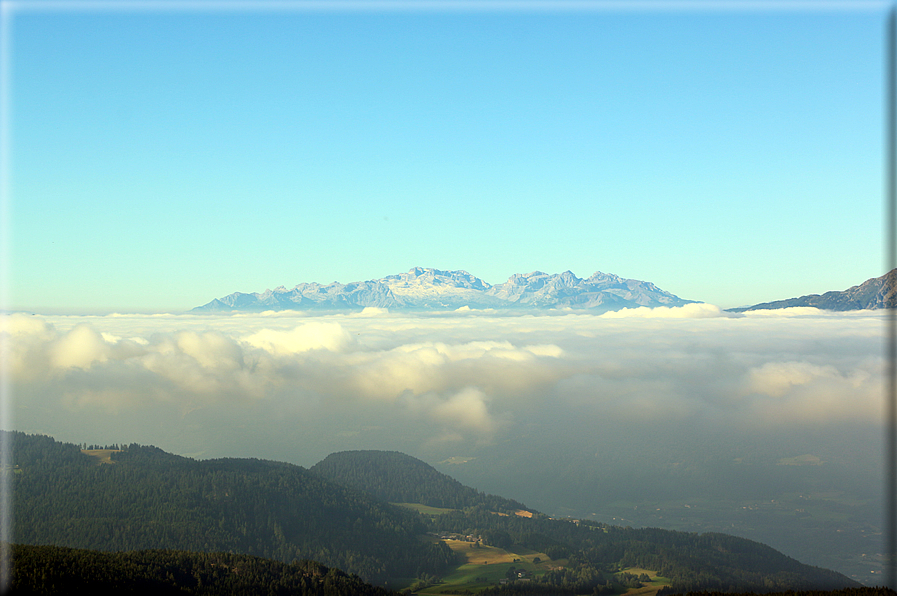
(485, 566)
(648, 588)
(425, 509)
(104, 456)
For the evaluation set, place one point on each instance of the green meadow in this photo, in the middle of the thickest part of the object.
(484, 566)
(424, 509)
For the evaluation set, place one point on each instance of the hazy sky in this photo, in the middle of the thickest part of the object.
(160, 158)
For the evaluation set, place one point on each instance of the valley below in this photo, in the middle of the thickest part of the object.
(826, 511)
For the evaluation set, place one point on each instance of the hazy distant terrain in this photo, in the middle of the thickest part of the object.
(818, 500)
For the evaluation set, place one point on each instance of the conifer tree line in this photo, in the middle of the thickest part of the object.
(92, 446)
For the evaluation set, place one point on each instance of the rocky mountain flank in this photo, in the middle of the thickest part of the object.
(433, 289)
(875, 293)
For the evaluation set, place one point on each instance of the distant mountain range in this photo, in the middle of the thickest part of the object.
(433, 289)
(875, 293)
(425, 289)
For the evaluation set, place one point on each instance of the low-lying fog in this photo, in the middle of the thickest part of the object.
(766, 425)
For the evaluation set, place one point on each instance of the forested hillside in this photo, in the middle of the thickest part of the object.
(54, 570)
(594, 552)
(398, 478)
(150, 499)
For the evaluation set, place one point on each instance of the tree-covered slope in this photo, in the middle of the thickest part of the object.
(53, 570)
(595, 552)
(149, 499)
(398, 478)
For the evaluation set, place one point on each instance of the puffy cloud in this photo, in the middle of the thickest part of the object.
(207, 365)
(24, 341)
(80, 347)
(211, 350)
(423, 377)
(309, 336)
(777, 378)
(466, 408)
(371, 311)
(698, 310)
(25, 327)
(804, 392)
(793, 311)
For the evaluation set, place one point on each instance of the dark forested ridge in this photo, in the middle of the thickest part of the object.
(398, 478)
(54, 570)
(149, 499)
(152, 499)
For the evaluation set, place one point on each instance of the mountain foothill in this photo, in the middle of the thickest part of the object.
(135, 519)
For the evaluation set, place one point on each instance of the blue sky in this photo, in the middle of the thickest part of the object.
(162, 158)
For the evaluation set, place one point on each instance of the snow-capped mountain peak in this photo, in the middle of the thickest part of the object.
(424, 288)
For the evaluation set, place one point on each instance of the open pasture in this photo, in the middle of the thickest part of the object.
(648, 588)
(424, 509)
(103, 456)
(485, 566)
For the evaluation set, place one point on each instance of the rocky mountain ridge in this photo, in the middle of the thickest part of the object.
(872, 294)
(434, 289)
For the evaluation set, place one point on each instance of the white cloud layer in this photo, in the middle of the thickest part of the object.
(698, 310)
(389, 381)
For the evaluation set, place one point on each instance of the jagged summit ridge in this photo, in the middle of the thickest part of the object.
(424, 288)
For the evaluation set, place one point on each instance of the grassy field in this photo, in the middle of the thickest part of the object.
(104, 456)
(484, 566)
(425, 509)
(648, 588)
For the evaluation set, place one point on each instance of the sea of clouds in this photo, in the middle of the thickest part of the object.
(295, 387)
